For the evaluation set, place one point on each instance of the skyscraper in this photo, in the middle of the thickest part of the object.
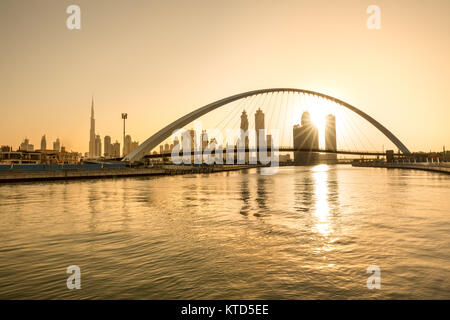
(116, 150)
(244, 135)
(98, 146)
(330, 137)
(107, 146)
(259, 127)
(127, 146)
(193, 136)
(92, 153)
(204, 140)
(305, 136)
(43, 143)
(188, 140)
(188, 144)
(26, 146)
(134, 145)
(244, 121)
(57, 145)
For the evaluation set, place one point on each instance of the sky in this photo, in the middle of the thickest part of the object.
(158, 60)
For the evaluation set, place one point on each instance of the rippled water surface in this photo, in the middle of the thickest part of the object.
(303, 233)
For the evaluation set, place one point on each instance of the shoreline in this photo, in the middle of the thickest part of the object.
(80, 174)
(439, 168)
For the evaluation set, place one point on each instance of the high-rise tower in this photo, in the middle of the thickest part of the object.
(260, 132)
(127, 145)
(92, 153)
(259, 125)
(244, 121)
(98, 146)
(108, 151)
(244, 135)
(330, 137)
(43, 143)
(57, 145)
(305, 137)
(204, 140)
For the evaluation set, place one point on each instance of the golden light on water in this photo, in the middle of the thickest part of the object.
(322, 208)
(321, 168)
(206, 232)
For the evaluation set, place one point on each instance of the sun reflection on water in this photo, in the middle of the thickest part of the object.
(320, 168)
(322, 209)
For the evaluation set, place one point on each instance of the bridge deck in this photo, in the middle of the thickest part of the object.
(280, 149)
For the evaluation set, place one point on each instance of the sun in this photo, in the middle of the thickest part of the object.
(319, 109)
(319, 112)
(318, 119)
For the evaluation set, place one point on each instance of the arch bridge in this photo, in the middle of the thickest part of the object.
(142, 150)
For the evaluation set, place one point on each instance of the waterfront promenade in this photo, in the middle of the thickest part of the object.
(43, 175)
(442, 167)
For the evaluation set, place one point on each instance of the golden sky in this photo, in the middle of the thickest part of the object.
(158, 60)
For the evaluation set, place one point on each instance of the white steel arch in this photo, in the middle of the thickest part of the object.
(139, 153)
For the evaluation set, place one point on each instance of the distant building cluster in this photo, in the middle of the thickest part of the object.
(27, 146)
(26, 154)
(305, 145)
(189, 139)
(110, 149)
(305, 140)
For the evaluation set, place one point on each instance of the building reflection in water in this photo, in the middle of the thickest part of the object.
(261, 194)
(245, 194)
(190, 194)
(93, 197)
(303, 192)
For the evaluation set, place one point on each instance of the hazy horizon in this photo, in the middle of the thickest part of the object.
(158, 60)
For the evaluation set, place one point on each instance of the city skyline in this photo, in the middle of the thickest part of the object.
(414, 54)
(198, 152)
(321, 124)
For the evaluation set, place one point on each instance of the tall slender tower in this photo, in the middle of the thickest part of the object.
(244, 140)
(330, 137)
(43, 143)
(204, 140)
(107, 147)
(92, 132)
(260, 131)
(305, 136)
(259, 125)
(244, 128)
(98, 146)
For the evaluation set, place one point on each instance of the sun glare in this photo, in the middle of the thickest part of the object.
(318, 119)
(319, 111)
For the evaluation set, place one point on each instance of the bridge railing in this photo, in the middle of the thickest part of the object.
(268, 149)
